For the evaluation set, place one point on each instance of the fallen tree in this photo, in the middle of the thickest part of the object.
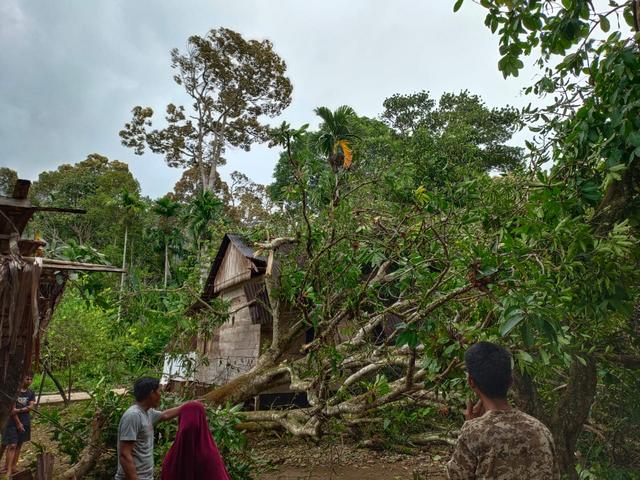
(396, 286)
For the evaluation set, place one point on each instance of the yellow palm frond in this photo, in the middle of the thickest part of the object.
(348, 155)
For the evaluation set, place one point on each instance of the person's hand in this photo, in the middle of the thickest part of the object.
(20, 427)
(474, 411)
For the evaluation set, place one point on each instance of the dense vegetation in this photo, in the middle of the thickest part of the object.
(412, 235)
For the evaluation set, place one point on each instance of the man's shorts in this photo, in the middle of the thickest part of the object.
(11, 435)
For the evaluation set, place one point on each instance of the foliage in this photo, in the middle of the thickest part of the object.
(91, 185)
(8, 179)
(71, 429)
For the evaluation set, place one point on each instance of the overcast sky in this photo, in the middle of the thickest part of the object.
(71, 70)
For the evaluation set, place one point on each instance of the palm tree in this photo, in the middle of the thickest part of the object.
(131, 206)
(204, 208)
(336, 136)
(166, 209)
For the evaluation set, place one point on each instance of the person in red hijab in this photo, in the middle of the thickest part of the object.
(194, 454)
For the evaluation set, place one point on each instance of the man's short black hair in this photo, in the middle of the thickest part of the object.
(144, 386)
(489, 365)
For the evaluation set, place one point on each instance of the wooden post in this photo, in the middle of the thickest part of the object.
(21, 189)
(46, 461)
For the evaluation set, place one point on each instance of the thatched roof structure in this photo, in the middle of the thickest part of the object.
(30, 288)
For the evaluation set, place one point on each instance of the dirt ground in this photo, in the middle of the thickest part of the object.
(290, 459)
(345, 461)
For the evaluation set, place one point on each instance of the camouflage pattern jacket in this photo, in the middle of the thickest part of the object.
(503, 445)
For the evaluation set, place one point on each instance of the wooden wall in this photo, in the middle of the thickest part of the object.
(235, 268)
(234, 347)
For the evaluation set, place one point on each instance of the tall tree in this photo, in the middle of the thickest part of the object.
(131, 207)
(232, 82)
(202, 210)
(249, 200)
(588, 130)
(167, 210)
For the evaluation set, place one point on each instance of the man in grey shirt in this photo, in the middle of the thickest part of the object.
(135, 433)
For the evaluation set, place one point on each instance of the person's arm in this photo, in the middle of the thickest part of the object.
(126, 460)
(169, 414)
(14, 416)
(463, 463)
(29, 407)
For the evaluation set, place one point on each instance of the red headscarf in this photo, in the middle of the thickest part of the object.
(194, 455)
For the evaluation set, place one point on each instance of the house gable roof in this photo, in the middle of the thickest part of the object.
(258, 265)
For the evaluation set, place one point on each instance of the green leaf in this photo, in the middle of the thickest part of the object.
(532, 22)
(510, 64)
(524, 357)
(457, 5)
(408, 337)
(634, 139)
(604, 23)
(513, 319)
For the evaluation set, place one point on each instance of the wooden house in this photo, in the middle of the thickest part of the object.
(237, 276)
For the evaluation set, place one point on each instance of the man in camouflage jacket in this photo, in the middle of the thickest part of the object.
(498, 442)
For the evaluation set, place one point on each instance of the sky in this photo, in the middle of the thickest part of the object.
(72, 70)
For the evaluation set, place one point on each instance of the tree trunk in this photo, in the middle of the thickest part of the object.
(572, 412)
(568, 415)
(58, 385)
(92, 452)
(166, 265)
(122, 275)
(11, 378)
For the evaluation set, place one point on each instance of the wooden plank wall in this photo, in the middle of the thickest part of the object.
(235, 346)
(235, 268)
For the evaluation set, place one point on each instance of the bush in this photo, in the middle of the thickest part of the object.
(71, 428)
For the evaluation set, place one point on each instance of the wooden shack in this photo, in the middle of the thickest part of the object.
(30, 288)
(237, 276)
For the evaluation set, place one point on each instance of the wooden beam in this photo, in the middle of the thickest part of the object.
(21, 189)
(53, 264)
(59, 209)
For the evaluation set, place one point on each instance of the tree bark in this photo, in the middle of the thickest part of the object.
(124, 265)
(571, 413)
(166, 264)
(92, 452)
(568, 415)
